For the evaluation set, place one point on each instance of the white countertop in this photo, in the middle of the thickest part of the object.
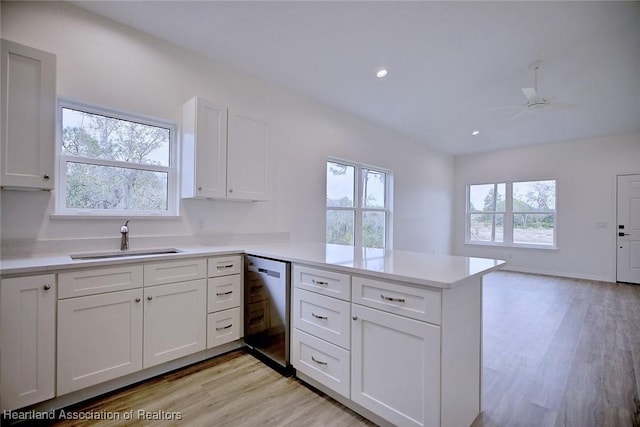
(442, 271)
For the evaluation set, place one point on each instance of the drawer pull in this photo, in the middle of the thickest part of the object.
(224, 293)
(319, 282)
(386, 298)
(319, 317)
(224, 327)
(46, 287)
(222, 267)
(319, 362)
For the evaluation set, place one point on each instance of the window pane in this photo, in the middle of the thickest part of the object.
(340, 185)
(373, 226)
(113, 188)
(486, 228)
(96, 136)
(534, 196)
(340, 226)
(481, 197)
(373, 189)
(534, 229)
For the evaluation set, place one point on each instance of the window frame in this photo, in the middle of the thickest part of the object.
(509, 213)
(62, 159)
(359, 209)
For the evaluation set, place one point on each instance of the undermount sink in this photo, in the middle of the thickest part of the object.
(123, 254)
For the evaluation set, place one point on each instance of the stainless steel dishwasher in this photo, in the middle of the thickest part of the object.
(267, 305)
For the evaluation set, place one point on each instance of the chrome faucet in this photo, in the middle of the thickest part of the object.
(124, 241)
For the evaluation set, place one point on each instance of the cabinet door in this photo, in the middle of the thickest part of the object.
(204, 149)
(28, 117)
(247, 157)
(175, 321)
(395, 367)
(99, 338)
(27, 340)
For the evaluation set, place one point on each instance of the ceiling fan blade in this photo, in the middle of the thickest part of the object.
(531, 94)
(508, 107)
(523, 112)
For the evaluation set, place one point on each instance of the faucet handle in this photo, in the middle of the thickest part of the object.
(125, 228)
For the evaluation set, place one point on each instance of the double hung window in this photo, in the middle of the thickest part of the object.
(114, 163)
(358, 205)
(512, 213)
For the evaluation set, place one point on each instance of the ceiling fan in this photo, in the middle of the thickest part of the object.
(535, 103)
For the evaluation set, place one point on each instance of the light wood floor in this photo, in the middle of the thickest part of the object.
(557, 352)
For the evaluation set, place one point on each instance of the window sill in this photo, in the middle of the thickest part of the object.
(513, 246)
(116, 216)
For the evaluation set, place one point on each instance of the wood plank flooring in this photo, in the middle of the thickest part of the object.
(557, 352)
(560, 352)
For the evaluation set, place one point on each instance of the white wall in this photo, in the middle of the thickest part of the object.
(585, 172)
(105, 63)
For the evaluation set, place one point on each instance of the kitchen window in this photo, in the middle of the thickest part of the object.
(358, 205)
(512, 214)
(113, 163)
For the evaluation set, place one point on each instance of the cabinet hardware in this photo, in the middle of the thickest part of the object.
(319, 317)
(355, 317)
(221, 267)
(149, 297)
(231, 190)
(46, 176)
(224, 293)
(46, 287)
(223, 328)
(199, 188)
(319, 282)
(137, 299)
(386, 298)
(623, 234)
(319, 362)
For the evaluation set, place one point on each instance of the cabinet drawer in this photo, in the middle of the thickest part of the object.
(223, 327)
(322, 281)
(98, 280)
(174, 271)
(223, 293)
(224, 266)
(326, 363)
(414, 302)
(324, 317)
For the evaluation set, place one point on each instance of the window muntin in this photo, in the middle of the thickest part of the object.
(114, 163)
(357, 205)
(512, 213)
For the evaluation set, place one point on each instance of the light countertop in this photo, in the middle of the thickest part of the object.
(442, 271)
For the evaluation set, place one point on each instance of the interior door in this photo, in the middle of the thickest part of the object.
(628, 243)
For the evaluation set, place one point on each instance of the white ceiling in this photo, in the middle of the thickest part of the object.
(447, 61)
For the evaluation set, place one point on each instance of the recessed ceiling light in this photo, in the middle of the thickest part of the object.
(382, 73)
(475, 132)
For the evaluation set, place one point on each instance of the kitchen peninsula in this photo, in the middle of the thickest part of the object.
(394, 335)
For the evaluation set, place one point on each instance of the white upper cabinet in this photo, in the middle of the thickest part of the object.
(224, 153)
(28, 117)
(247, 157)
(204, 149)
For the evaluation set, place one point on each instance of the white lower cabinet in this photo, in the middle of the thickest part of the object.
(107, 335)
(175, 321)
(99, 338)
(27, 340)
(395, 367)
